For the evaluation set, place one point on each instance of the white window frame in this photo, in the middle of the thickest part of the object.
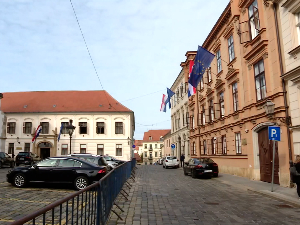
(64, 147)
(82, 148)
(231, 48)
(119, 146)
(219, 61)
(238, 143)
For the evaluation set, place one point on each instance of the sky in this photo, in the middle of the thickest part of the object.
(136, 46)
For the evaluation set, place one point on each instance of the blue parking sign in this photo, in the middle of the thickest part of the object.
(172, 146)
(274, 133)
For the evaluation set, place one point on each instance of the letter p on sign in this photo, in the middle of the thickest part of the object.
(274, 133)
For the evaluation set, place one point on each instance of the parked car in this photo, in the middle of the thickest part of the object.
(112, 161)
(97, 159)
(201, 167)
(78, 172)
(171, 161)
(5, 159)
(27, 158)
(160, 161)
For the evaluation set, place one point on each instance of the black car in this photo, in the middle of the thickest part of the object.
(201, 167)
(99, 160)
(113, 160)
(57, 169)
(27, 158)
(5, 159)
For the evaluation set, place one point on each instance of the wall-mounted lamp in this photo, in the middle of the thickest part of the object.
(18, 140)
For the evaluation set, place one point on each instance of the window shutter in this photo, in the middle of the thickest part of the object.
(243, 32)
(201, 148)
(200, 118)
(207, 118)
(205, 80)
(24, 129)
(208, 146)
(8, 126)
(219, 139)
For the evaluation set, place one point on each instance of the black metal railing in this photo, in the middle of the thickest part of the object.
(91, 205)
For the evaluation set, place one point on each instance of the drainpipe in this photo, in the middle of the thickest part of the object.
(283, 83)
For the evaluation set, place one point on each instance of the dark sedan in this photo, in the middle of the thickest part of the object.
(201, 167)
(58, 170)
(99, 160)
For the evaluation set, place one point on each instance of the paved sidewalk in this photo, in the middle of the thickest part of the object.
(167, 196)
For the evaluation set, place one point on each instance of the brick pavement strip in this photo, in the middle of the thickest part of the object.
(167, 196)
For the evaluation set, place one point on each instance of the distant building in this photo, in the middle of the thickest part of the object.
(103, 125)
(2, 127)
(152, 144)
(166, 149)
(138, 147)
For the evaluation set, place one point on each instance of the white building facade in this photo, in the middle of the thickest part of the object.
(289, 22)
(2, 127)
(180, 118)
(107, 131)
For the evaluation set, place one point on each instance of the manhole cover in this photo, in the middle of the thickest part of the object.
(211, 203)
(284, 206)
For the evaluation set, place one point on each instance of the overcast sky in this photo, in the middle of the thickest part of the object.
(136, 45)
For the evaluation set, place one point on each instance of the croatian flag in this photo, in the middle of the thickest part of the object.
(37, 133)
(163, 103)
(191, 89)
(61, 128)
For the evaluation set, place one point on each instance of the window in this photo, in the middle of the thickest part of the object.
(11, 127)
(67, 163)
(64, 149)
(235, 97)
(64, 127)
(224, 145)
(183, 119)
(150, 138)
(150, 146)
(298, 26)
(145, 154)
(253, 19)
(48, 163)
(211, 111)
(82, 127)
(100, 128)
(155, 154)
(45, 127)
(118, 150)
(11, 148)
(219, 63)
(203, 115)
(100, 149)
(230, 48)
(145, 146)
(238, 146)
(194, 149)
(192, 122)
(82, 148)
(27, 147)
(187, 118)
(27, 127)
(208, 75)
(177, 94)
(201, 83)
(214, 145)
(119, 127)
(260, 82)
(161, 145)
(155, 145)
(222, 105)
(204, 147)
(181, 90)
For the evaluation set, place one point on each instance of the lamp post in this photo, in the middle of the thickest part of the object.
(70, 129)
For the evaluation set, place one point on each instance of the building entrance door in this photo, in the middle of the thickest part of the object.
(45, 152)
(266, 157)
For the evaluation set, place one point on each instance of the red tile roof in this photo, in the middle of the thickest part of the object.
(155, 134)
(138, 142)
(60, 101)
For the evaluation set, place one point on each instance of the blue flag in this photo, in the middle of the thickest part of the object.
(201, 63)
(61, 127)
(170, 94)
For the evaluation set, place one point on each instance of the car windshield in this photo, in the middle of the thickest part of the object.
(108, 158)
(171, 157)
(207, 160)
(23, 153)
(2, 154)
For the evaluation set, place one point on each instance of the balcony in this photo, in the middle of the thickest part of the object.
(150, 149)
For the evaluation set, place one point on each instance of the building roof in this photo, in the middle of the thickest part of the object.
(138, 142)
(60, 101)
(155, 134)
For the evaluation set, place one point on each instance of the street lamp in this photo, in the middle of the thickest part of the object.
(70, 129)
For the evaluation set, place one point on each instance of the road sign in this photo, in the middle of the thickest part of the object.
(274, 133)
(172, 146)
(133, 146)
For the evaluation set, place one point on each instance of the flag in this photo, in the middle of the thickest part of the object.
(37, 133)
(201, 63)
(163, 103)
(170, 94)
(61, 127)
(191, 89)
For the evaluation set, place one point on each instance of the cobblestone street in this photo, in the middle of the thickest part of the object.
(167, 196)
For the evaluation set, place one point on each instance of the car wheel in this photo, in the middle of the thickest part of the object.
(81, 183)
(19, 180)
(193, 174)
(0, 164)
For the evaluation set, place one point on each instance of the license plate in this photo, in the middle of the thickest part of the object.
(21, 158)
(207, 171)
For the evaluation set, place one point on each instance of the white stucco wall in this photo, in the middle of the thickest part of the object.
(91, 139)
(2, 130)
(179, 108)
(155, 150)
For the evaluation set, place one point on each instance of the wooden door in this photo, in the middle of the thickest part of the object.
(266, 157)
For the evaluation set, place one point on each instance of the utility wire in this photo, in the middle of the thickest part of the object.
(142, 96)
(87, 48)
